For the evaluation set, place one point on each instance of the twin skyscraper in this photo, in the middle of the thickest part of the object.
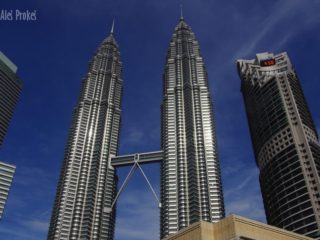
(190, 176)
(191, 188)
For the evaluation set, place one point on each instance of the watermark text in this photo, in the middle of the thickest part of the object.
(18, 15)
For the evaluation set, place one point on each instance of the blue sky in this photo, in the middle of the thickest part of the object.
(52, 54)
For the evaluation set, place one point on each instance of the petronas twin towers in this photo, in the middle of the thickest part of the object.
(190, 174)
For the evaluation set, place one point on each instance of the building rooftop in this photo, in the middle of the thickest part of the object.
(8, 62)
(234, 227)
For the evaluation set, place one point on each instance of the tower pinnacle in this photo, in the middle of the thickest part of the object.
(181, 11)
(112, 27)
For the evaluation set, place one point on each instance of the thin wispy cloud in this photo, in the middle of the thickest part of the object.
(248, 207)
(16, 233)
(27, 228)
(37, 225)
(135, 136)
(244, 184)
(297, 13)
(243, 195)
(138, 216)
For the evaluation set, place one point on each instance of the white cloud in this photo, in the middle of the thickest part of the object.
(241, 189)
(17, 233)
(245, 199)
(240, 186)
(246, 206)
(37, 225)
(135, 136)
(31, 175)
(296, 12)
(28, 228)
(140, 136)
(138, 216)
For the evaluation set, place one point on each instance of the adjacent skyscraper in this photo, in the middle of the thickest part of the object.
(285, 142)
(87, 185)
(190, 174)
(10, 88)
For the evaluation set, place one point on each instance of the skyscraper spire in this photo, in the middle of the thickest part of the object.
(181, 11)
(112, 27)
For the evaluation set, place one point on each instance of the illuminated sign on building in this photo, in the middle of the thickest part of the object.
(267, 62)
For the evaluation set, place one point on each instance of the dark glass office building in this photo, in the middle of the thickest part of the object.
(10, 88)
(285, 142)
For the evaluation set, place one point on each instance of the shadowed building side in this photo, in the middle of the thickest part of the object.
(190, 174)
(87, 186)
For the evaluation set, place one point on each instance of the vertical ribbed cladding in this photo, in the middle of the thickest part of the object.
(190, 174)
(87, 185)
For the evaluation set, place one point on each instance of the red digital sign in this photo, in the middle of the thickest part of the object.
(267, 63)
